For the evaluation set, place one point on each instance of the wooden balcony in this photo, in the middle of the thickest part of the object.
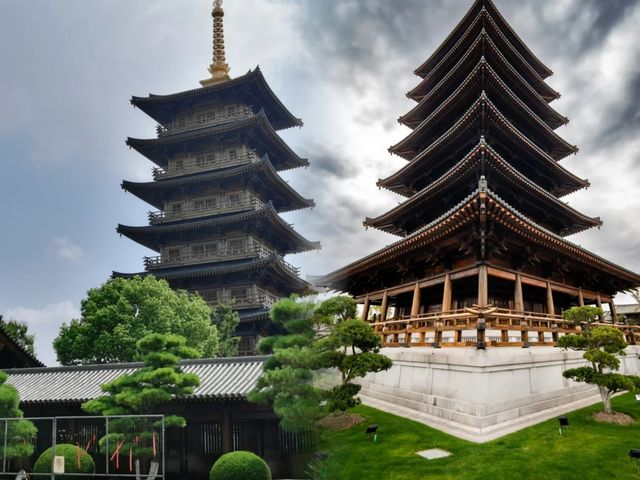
(251, 251)
(220, 117)
(482, 327)
(195, 165)
(248, 202)
(255, 300)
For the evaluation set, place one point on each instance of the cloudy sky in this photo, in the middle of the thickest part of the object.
(69, 68)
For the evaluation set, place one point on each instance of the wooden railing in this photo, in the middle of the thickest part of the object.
(253, 300)
(248, 202)
(162, 261)
(482, 327)
(218, 118)
(194, 165)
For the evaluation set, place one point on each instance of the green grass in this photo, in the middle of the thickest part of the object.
(587, 450)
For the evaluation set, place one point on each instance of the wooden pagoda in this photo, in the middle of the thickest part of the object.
(483, 258)
(218, 194)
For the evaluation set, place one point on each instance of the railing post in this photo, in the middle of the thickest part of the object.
(554, 334)
(481, 328)
(524, 334)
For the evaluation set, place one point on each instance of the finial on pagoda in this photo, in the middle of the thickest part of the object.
(219, 69)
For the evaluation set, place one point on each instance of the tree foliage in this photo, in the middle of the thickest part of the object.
(141, 392)
(19, 333)
(602, 346)
(76, 460)
(585, 315)
(240, 465)
(122, 311)
(226, 320)
(18, 432)
(317, 338)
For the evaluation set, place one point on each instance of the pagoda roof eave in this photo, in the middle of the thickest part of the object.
(553, 118)
(159, 107)
(456, 174)
(272, 265)
(153, 192)
(461, 29)
(463, 213)
(155, 149)
(572, 182)
(406, 147)
(147, 235)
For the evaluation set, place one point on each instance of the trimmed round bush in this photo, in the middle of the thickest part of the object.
(240, 466)
(70, 454)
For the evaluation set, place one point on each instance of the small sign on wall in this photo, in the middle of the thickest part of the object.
(58, 464)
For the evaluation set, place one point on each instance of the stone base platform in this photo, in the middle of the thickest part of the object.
(480, 395)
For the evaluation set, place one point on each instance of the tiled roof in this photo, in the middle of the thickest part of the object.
(252, 83)
(220, 378)
(155, 192)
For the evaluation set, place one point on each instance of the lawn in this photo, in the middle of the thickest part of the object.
(587, 450)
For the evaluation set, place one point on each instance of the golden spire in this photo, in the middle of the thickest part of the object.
(219, 69)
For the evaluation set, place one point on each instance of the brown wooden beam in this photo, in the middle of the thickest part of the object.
(580, 298)
(483, 286)
(447, 293)
(551, 309)
(614, 312)
(415, 304)
(365, 310)
(518, 299)
(385, 306)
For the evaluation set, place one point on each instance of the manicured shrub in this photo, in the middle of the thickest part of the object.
(240, 466)
(70, 454)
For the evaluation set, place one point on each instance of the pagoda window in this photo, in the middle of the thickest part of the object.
(205, 204)
(173, 254)
(175, 209)
(205, 250)
(211, 296)
(178, 164)
(232, 154)
(234, 198)
(236, 245)
(239, 293)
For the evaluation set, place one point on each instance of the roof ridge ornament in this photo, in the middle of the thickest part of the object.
(218, 69)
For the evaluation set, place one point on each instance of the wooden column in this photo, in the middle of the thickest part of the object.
(483, 286)
(518, 299)
(227, 432)
(385, 307)
(551, 309)
(365, 310)
(447, 293)
(614, 312)
(415, 305)
(580, 298)
(599, 304)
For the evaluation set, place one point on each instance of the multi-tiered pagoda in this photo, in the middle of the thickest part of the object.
(483, 255)
(218, 194)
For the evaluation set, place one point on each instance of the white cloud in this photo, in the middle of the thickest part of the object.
(66, 249)
(45, 324)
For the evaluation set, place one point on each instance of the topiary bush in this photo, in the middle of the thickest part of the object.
(70, 453)
(240, 466)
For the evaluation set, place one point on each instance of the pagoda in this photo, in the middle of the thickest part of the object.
(217, 193)
(483, 257)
